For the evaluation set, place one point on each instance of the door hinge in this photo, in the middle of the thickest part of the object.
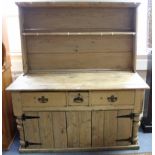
(127, 139)
(31, 143)
(24, 117)
(131, 116)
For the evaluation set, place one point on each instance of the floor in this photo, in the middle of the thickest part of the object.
(145, 141)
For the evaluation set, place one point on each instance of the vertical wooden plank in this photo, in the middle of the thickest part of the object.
(46, 129)
(97, 128)
(110, 128)
(85, 128)
(31, 129)
(124, 127)
(59, 129)
(135, 40)
(23, 41)
(79, 129)
(73, 129)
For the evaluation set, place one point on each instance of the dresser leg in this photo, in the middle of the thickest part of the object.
(21, 130)
(136, 124)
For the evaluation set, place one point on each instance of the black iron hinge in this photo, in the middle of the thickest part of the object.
(127, 139)
(131, 116)
(31, 143)
(24, 117)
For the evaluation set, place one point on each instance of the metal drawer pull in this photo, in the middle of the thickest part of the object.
(112, 98)
(78, 99)
(43, 99)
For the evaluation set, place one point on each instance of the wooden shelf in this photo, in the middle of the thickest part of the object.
(75, 33)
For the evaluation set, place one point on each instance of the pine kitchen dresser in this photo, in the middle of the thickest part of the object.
(80, 89)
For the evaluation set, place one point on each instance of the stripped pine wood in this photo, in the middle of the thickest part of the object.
(79, 108)
(46, 129)
(31, 130)
(83, 54)
(23, 42)
(112, 60)
(110, 128)
(17, 104)
(73, 129)
(138, 101)
(85, 129)
(79, 43)
(79, 129)
(97, 128)
(122, 97)
(90, 80)
(59, 129)
(124, 127)
(62, 19)
(78, 98)
(42, 99)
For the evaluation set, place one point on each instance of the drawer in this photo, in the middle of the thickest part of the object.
(36, 99)
(78, 98)
(112, 97)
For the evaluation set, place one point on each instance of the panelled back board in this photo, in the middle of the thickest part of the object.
(64, 37)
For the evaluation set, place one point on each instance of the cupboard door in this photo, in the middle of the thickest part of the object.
(124, 129)
(46, 131)
(79, 129)
(31, 130)
(110, 130)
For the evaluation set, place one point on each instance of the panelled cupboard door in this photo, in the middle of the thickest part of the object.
(110, 130)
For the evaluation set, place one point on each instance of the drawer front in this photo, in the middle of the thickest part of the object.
(78, 98)
(112, 97)
(44, 99)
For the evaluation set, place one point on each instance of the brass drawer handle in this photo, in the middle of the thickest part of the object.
(78, 99)
(43, 99)
(112, 98)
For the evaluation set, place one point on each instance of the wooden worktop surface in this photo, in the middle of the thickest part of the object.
(57, 81)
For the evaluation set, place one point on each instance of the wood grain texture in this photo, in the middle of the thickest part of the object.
(98, 128)
(78, 108)
(17, 104)
(110, 128)
(59, 129)
(31, 130)
(124, 127)
(115, 61)
(97, 80)
(30, 99)
(46, 129)
(82, 95)
(79, 129)
(72, 19)
(101, 97)
(79, 44)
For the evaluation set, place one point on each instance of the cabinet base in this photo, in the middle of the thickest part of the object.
(130, 147)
